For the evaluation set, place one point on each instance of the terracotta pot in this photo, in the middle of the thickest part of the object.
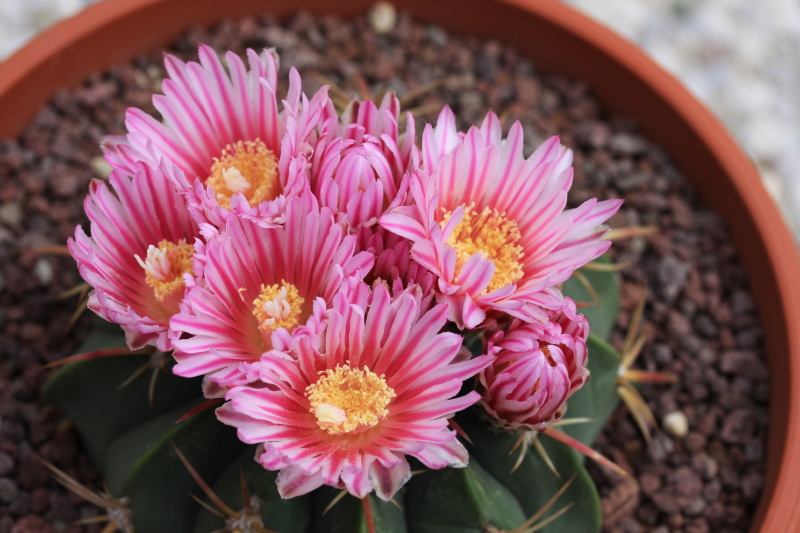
(557, 39)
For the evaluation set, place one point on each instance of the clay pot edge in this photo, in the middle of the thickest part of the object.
(58, 57)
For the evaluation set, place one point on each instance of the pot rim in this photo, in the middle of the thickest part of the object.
(68, 51)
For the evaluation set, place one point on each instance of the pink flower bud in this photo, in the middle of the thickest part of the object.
(538, 367)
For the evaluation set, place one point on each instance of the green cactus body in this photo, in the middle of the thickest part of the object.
(131, 443)
(602, 316)
(533, 483)
(347, 514)
(483, 500)
(277, 514)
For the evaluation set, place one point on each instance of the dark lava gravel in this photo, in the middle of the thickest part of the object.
(701, 321)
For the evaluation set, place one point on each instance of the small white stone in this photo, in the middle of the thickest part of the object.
(100, 167)
(382, 17)
(676, 424)
(11, 214)
(154, 72)
(44, 271)
(141, 79)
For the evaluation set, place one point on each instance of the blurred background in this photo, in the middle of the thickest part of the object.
(742, 58)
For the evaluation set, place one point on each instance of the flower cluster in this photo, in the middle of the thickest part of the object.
(317, 269)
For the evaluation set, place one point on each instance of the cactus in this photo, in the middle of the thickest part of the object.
(131, 443)
(603, 314)
(358, 301)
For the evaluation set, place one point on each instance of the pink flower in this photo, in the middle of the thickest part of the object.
(439, 141)
(538, 367)
(359, 161)
(259, 285)
(492, 225)
(139, 256)
(346, 404)
(223, 130)
(394, 265)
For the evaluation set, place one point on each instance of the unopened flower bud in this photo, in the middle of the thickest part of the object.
(538, 367)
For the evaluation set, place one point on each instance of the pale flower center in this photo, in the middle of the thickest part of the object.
(278, 306)
(165, 266)
(246, 167)
(495, 236)
(235, 181)
(347, 399)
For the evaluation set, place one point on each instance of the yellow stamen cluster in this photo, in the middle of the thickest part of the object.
(348, 399)
(246, 167)
(278, 306)
(495, 236)
(165, 266)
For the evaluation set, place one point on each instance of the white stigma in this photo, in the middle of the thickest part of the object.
(277, 308)
(235, 181)
(157, 263)
(331, 414)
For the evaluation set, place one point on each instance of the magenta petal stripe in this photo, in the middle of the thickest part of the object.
(492, 225)
(143, 211)
(537, 368)
(307, 254)
(316, 268)
(210, 111)
(378, 343)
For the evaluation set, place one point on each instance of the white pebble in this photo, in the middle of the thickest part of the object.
(44, 271)
(382, 17)
(100, 167)
(11, 214)
(676, 424)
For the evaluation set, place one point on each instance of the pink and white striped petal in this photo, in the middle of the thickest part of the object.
(405, 374)
(360, 161)
(139, 251)
(492, 225)
(538, 367)
(217, 121)
(394, 265)
(260, 284)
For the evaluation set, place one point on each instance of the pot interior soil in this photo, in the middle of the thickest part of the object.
(701, 320)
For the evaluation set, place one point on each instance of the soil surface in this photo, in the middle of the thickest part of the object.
(701, 320)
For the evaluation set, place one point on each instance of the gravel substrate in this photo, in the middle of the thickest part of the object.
(701, 321)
